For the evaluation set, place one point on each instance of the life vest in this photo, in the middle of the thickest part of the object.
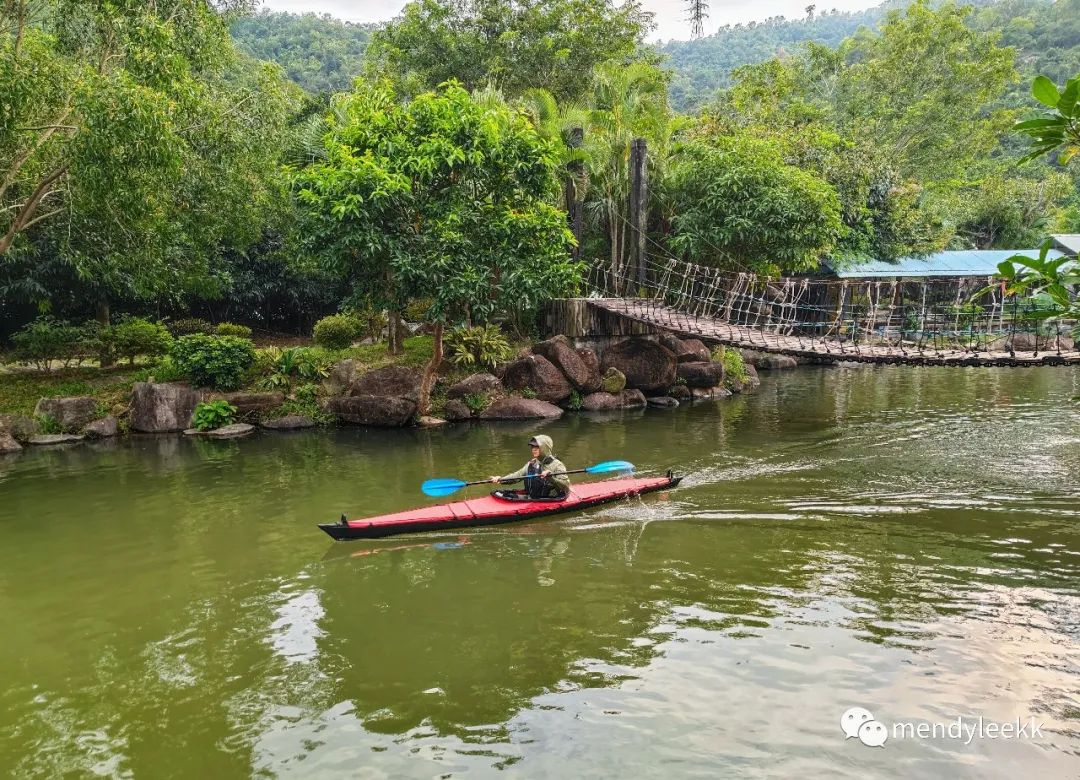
(537, 487)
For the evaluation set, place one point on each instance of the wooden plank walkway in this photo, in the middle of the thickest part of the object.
(822, 349)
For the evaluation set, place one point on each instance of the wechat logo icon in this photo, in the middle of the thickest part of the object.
(859, 722)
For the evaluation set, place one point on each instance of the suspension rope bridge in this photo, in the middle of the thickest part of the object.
(959, 321)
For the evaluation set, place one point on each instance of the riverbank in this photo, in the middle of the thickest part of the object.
(368, 386)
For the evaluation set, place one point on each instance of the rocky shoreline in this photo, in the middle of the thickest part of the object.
(548, 380)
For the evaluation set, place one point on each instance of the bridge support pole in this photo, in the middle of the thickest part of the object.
(639, 213)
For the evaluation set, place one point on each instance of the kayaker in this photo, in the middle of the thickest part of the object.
(545, 474)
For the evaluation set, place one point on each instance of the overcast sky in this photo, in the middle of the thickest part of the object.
(670, 14)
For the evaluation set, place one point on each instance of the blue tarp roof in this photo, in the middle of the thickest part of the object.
(965, 262)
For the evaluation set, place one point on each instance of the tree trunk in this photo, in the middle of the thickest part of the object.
(105, 358)
(639, 212)
(428, 380)
(394, 341)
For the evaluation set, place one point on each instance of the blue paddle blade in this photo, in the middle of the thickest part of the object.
(610, 465)
(442, 487)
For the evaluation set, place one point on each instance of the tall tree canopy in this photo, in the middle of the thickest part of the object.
(551, 44)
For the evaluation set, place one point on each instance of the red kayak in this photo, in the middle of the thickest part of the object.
(494, 509)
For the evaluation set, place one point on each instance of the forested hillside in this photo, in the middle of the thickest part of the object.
(318, 52)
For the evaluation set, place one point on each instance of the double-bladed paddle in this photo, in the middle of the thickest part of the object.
(445, 487)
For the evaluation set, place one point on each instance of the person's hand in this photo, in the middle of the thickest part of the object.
(495, 480)
(545, 474)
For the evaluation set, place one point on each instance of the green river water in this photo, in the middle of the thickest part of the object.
(904, 540)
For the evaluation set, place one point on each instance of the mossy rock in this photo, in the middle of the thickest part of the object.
(613, 381)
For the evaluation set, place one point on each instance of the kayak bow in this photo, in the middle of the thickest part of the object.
(492, 509)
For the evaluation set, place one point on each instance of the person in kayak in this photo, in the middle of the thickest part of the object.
(544, 474)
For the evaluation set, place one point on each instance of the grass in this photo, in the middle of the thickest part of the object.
(21, 390)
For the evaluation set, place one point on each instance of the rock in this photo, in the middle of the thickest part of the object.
(18, 426)
(105, 428)
(662, 401)
(647, 365)
(8, 444)
(735, 385)
(686, 350)
(591, 361)
(341, 376)
(537, 373)
(292, 422)
(160, 408)
(430, 422)
(234, 431)
(514, 408)
(563, 356)
(389, 382)
(703, 393)
(55, 438)
(1029, 342)
(614, 381)
(455, 410)
(680, 393)
(71, 413)
(701, 374)
(767, 361)
(381, 411)
(477, 384)
(253, 403)
(601, 401)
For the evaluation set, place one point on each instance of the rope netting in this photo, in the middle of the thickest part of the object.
(885, 319)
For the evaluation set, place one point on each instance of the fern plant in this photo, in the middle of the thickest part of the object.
(483, 346)
(213, 414)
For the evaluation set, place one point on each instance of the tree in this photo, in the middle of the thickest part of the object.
(548, 44)
(135, 144)
(446, 198)
(740, 206)
(697, 11)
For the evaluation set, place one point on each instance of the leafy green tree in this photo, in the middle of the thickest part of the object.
(444, 198)
(741, 206)
(548, 44)
(135, 143)
(1008, 211)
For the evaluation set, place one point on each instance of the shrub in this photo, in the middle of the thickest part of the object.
(575, 400)
(214, 361)
(47, 424)
(417, 310)
(189, 326)
(137, 336)
(286, 365)
(372, 321)
(338, 331)
(734, 365)
(479, 347)
(213, 414)
(46, 339)
(477, 402)
(232, 329)
(164, 370)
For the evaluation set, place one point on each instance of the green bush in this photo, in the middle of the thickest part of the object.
(214, 361)
(164, 370)
(477, 402)
(137, 336)
(285, 365)
(417, 310)
(734, 365)
(47, 424)
(213, 414)
(575, 400)
(338, 331)
(481, 347)
(46, 339)
(232, 329)
(189, 326)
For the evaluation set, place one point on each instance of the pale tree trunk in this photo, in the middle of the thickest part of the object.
(105, 358)
(395, 334)
(427, 382)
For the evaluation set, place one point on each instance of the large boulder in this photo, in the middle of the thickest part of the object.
(680, 393)
(161, 408)
(377, 410)
(561, 353)
(477, 384)
(646, 364)
(1029, 342)
(291, 422)
(515, 408)
(627, 399)
(72, 414)
(105, 428)
(686, 350)
(389, 382)
(766, 361)
(537, 373)
(736, 385)
(18, 426)
(613, 381)
(8, 444)
(455, 410)
(341, 376)
(701, 374)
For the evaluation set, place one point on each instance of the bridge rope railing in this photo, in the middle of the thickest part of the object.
(836, 317)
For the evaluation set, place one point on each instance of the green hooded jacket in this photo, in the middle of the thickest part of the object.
(548, 462)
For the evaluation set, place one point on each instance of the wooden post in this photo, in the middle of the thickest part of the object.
(573, 194)
(639, 210)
